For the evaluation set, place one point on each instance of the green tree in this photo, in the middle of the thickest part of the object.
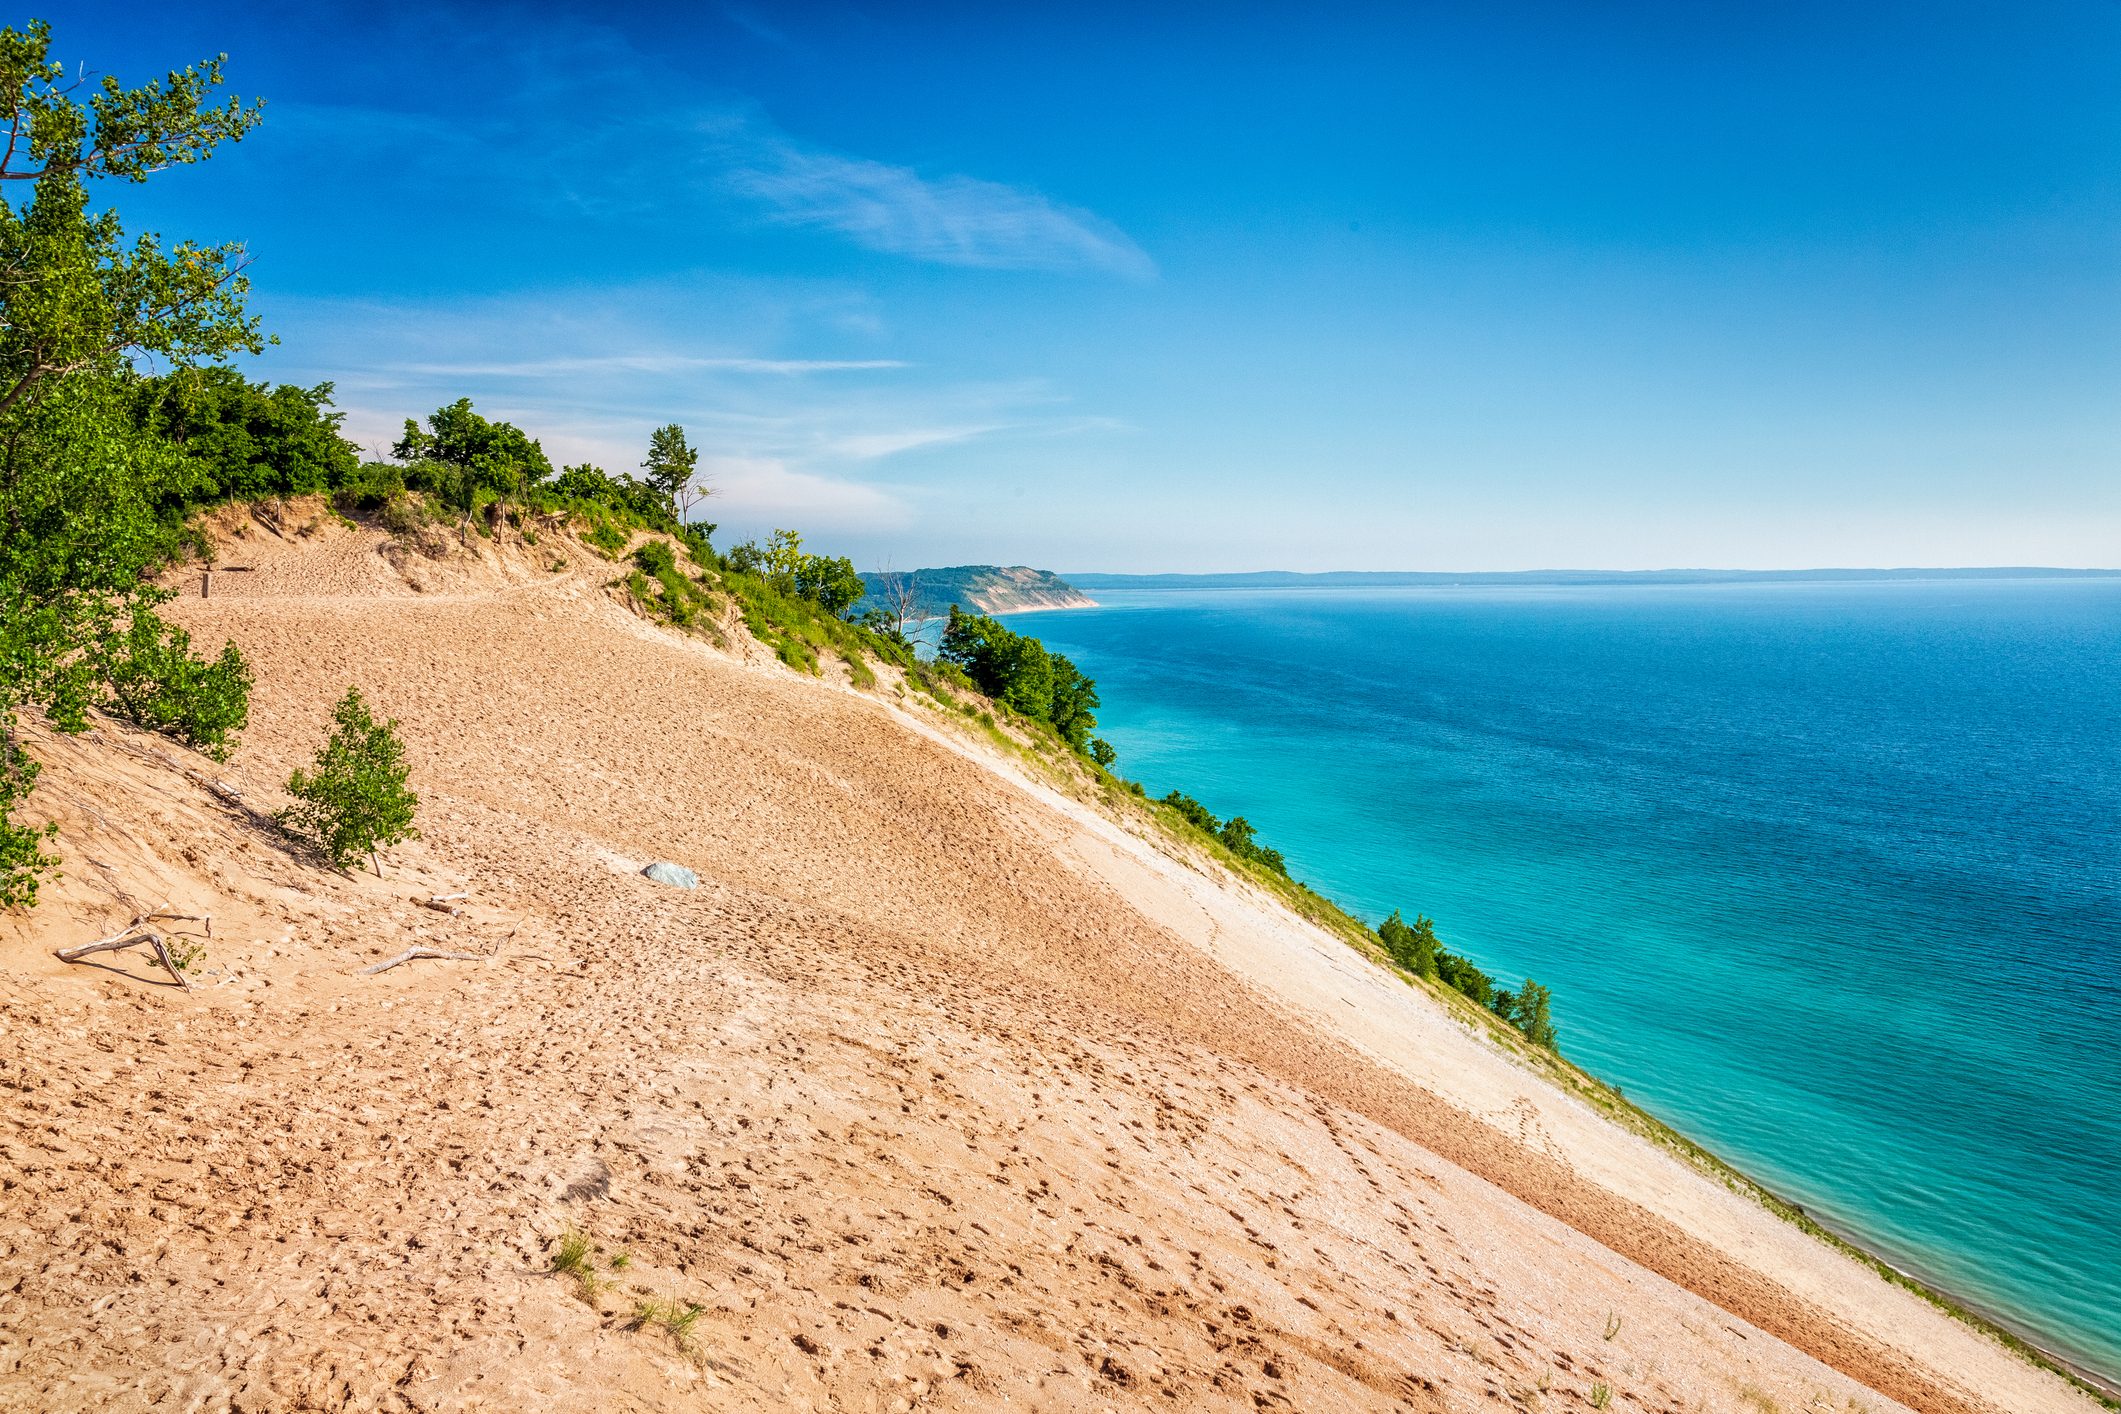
(79, 479)
(1412, 945)
(1533, 1014)
(242, 440)
(670, 465)
(1021, 673)
(1102, 752)
(782, 560)
(831, 583)
(355, 801)
(22, 858)
(470, 460)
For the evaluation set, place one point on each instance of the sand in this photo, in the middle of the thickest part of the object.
(944, 1090)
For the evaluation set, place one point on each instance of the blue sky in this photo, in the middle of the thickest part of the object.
(1481, 286)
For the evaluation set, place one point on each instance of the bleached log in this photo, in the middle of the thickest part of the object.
(133, 934)
(412, 953)
(126, 939)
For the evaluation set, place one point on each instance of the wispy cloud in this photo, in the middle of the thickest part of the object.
(952, 220)
(750, 23)
(767, 490)
(653, 363)
(873, 446)
(832, 445)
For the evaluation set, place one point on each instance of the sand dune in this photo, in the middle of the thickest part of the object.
(943, 1090)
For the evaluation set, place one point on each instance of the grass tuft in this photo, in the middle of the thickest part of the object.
(573, 1256)
(675, 1318)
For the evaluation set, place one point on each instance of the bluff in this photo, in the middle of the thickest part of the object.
(990, 589)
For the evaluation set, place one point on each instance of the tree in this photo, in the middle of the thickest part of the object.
(783, 560)
(829, 582)
(1413, 946)
(1102, 752)
(670, 466)
(1534, 1015)
(241, 440)
(155, 680)
(76, 300)
(905, 613)
(79, 478)
(472, 459)
(22, 858)
(1020, 673)
(355, 801)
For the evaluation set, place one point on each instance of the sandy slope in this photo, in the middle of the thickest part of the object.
(941, 1091)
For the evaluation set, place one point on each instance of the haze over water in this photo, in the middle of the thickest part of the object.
(1825, 875)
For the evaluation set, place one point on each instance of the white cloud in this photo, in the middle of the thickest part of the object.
(952, 220)
(870, 446)
(767, 491)
(652, 363)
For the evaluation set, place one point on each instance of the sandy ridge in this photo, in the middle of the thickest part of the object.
(941, 1092)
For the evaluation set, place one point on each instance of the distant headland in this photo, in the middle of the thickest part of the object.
(1289, 579)
(988, 589)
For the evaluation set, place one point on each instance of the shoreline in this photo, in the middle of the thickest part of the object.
(1776, 1240)
(2015, 1332)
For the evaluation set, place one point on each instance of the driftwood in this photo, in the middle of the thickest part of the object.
(136, 933)
(444, 903)
(411, 953)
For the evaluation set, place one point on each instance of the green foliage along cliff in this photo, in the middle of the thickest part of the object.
(1022, 674)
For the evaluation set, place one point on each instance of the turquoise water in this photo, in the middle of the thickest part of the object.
(1824, 875)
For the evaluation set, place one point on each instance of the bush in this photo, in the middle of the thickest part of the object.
(371, 487)
(155, 681)
(1193, 812)
(1102, 753)
(21, 859)
(355, 802)
(1412, 946)
(607, 539)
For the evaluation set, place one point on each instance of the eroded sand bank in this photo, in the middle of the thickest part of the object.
(942, 1091)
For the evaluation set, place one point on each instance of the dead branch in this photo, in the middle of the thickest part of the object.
(110, 944)
(411, 953)
(134, 934)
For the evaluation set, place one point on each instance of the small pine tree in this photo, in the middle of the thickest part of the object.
(1535, 1015)
(670, 465)
(355, 802)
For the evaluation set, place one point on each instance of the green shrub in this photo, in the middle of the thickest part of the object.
(355, 802)
(155, 681)
(607, 539)
(1413, 946)
(371, 487)
(1102, 753)
(1193, 812)
(21, 859)
(655, 558)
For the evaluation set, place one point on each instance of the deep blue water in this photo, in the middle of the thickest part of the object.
(1825, 875)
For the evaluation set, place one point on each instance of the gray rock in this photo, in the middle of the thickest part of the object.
(675, 875)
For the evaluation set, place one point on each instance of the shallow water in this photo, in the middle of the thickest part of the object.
(1825, 875)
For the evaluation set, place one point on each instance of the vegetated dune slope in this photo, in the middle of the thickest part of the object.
(939, 1092)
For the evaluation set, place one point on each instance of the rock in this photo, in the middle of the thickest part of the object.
(675, 875)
